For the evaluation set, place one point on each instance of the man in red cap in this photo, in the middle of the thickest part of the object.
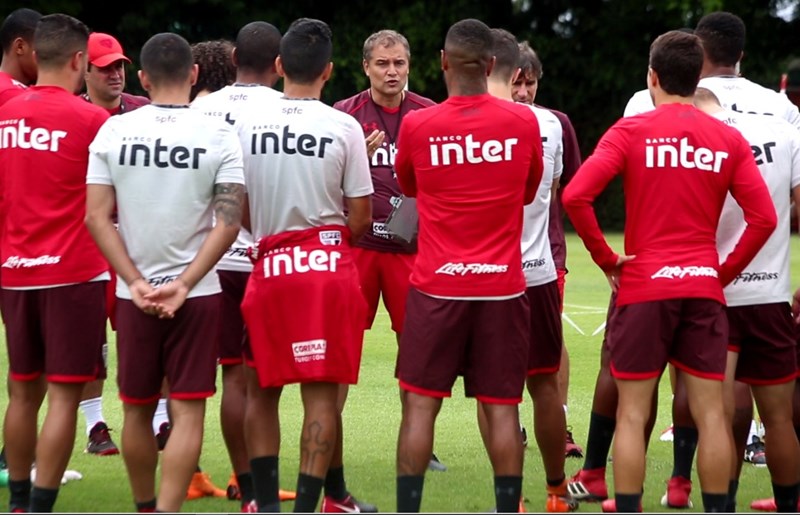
(105, 76)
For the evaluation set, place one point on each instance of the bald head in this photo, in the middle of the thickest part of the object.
(468, 46)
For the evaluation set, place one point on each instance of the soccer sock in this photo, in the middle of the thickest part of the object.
(160, 416)
(753, 432)
(19, 495)
(507, 493)
(733, 489)
(786, 497)
(92, 410)
(683, 447)
(335, 486)
(409, 493)
(43, 499)
(715, 503)
(628, 503)
(264, 471)
(598, 443)
(146, 506)
(245, 482)
(308, 490)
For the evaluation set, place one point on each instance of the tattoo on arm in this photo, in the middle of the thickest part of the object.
(228, 202)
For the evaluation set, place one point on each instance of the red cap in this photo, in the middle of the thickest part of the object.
(104, 50)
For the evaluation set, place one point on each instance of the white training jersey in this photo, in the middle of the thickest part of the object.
(227, 104)
(163, 163)
(640, 102)
(537, 259)
(776, 148)
(743, 96)
(301, 159)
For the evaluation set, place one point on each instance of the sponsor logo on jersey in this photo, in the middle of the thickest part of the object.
(330, 237)
(679, 272)
(311, 350)
(295, 260)
(384, 155)
(671, 152)
(755, 277)
(16, 134)
(463, 269)
(447, 150)
(21, 262)
(163, 156)
(264, 141)
(530, 264)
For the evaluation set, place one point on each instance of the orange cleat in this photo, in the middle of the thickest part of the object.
(201, 486)
(559, 499)
(287, 495)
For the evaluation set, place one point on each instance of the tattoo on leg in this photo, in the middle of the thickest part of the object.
(313, 445)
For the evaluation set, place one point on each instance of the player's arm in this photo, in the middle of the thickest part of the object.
(246, 213)
(359, 216)
(750, 192)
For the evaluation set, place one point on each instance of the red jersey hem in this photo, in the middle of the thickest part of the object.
(50, 281)
(624, 297)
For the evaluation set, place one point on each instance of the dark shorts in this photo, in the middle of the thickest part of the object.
(546, 330)
(764, 337)
(485, 341)
(692, 334)
(150, 349)
(231, 324)
(57, 331)
(384, 274)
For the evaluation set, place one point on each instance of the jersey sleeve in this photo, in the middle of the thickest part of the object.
(749, 190)
(558, 158)
(98, 171)
(607, 161)
(357, 180)
(572, 151)
(403, 164)
(231, 166)
(536, 169)
(794, 140)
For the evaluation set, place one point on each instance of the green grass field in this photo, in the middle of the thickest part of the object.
(372, 418)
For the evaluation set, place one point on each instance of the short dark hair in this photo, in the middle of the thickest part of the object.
(257, 46)
(723, 35)
(529, 61)
(677, 58)
(705, 96)
(215, 65)
(21, 23)
(468, 45)
(385, 38)
(306, 50)
(57, 38)
(506, 53)
(166, 58)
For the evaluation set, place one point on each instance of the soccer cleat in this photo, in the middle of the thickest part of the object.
(100, 442)
(755, 453)
(767, 505)
(572, 450)
(201, 486)
(162, 436)
(286, 495)
(233, 488)
(610, 506)
(667, 435)
(250, 507)
(347, 505)
(436, 465)
(678, 491)
(589, 485)
(559, 500)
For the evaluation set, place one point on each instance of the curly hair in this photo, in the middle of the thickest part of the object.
(216, 69)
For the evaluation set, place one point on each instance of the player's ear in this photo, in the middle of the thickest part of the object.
(515, 77)
(234, 58)
(326, 74)
(279, 66)
(365, 65)
(444, 60)
(193, 73)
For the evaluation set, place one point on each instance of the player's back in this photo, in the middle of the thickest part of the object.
(231, 101)
(744, 96)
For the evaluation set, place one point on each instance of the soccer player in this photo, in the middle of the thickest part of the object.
(762, 348)
(790, 82)
(105, 82)
(472, 162)
(524, 90)
(215, 66)
(53, 281)
(541, 281)
(253, 56)
(18, 67)
(677, 165)
(165, 162)
(304, 312)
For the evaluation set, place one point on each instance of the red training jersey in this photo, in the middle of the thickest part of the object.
(372, 117)
(472, 162)
(677, 165)
(44, 152)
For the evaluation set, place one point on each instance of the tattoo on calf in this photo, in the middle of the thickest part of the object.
(228, 202)
(312, 446)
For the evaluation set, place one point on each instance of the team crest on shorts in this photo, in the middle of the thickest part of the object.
(330, 237)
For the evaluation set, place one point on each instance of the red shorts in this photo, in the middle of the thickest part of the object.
(150, 349)
(561, 280)
(764, 337)
(384, 274)
(231, 324)
(692, 334)
(485, 341)
(304, 309)
(56, 331)
(546, 331)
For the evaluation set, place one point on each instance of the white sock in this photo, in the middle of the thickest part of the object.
(753, 431)
(92, 410)
(160, 416)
